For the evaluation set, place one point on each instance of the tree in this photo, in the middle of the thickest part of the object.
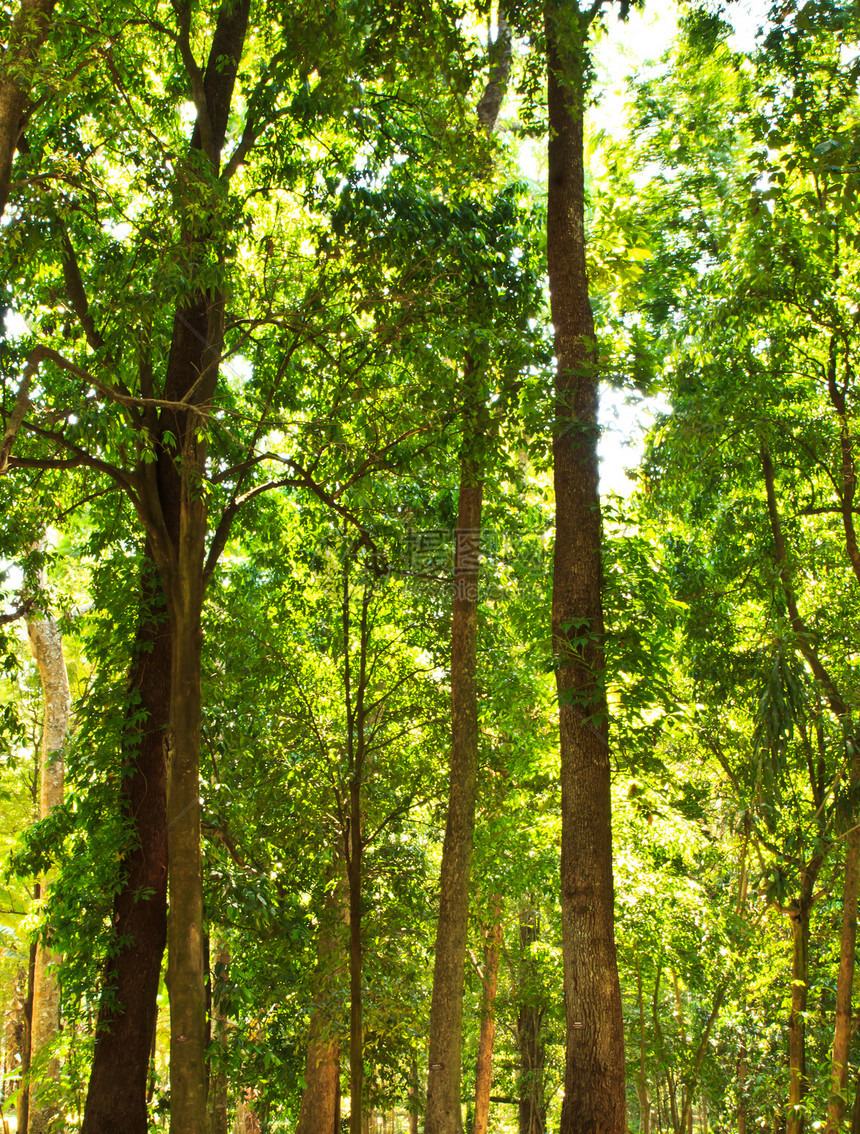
(594, 1096)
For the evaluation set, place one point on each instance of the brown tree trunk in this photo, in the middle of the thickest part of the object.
(318, 1113)
(842, 1031)
(172, 506)
(855, 1110)
(22, 1109)
(185, 967)
(799, 916)
(46, 643)
(356, 1038)
(116, 1098)
(414, 1106)
(742, 1073)
(15, 1040)
(26, 37)
(219, 1122)
(443, 1114)
(532, 1100)
(484, 1068)
(594, 1086)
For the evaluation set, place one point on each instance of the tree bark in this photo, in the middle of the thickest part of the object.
(173, 509)
(484, 1068)
(443, 1113)
(185, 968)
(799, 915)
(318, 1113)
(532, 1100)
(22, 1110)
(845, 980)
(219, 1122)
(594, 1086)
(356, 1038)
(27, 35)
(46, 643)
(117, 1094)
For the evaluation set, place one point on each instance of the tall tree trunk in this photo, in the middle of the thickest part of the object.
(594, 1086)
(484, 1068)
(443, 1113)
(219, 1122)
(356, 1038)
(46, 643)
(799, 914)
(172, 506)
(845, 980)
(15, 1042)
(117, 1093)
(532, 1100)
(22, 1110)
(27, 35)
(318, 1113)
(742, 1073)
(413, 1098)
(185, 962)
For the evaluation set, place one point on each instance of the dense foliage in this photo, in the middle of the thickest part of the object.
(358, 265)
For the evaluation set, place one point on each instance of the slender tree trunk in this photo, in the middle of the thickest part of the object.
(26, 37)
(117, 1094)
(532, 1101)
(16, 1035)
(318, 1113)
(594, 1085)
(22, 1110)
(185, 976)
(842, 1032)
(46, 643)
(413, 1098)
(219, 1122)
(799, 915)
(356, 1038)
(443, 1113)
(484, 1068)
(742, 1073)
